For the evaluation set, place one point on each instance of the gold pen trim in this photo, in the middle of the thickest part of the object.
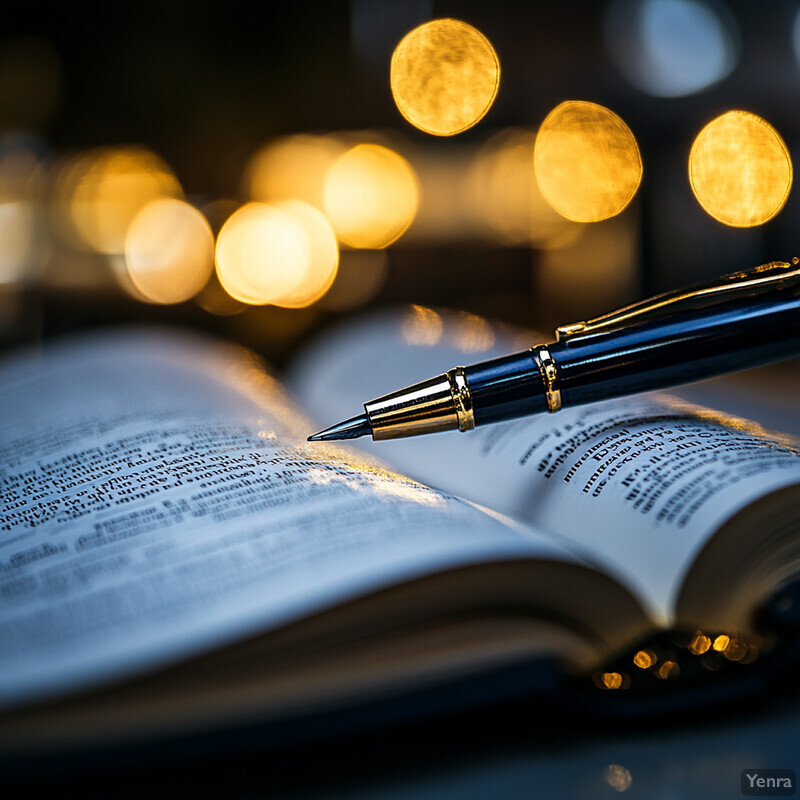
(766, 277)
(547, 368)
(442, 403)
(462, 398)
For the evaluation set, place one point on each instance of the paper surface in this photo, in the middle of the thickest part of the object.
(158, 500)
(639, 484)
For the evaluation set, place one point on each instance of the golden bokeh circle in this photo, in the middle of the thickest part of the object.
(740, 169)
(371, 196)
(105, 188)
(444, 76)
(169, 251)
(292, 167)
(505, 198)
(323, 255)
(262, 254)
(587, 161)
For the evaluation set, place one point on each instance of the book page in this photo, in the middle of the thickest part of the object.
(159, 500)
(639, 483)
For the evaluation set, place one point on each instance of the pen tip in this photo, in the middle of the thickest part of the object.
(349, 429)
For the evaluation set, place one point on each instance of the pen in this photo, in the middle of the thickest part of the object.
(741, 320)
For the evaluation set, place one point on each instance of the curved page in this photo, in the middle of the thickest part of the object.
(159, 500)
(638, 484)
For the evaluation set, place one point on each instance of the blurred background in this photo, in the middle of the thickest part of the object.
(260, 171)
(263, 171)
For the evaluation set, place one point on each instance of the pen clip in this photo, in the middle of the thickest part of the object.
(775, 274)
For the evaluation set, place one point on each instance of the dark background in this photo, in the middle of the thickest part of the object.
(204, 84)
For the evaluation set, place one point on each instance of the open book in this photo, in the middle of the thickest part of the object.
(175, 558)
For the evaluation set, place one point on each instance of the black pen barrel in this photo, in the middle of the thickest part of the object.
(662, 353)
(506, 388)
(678, 350)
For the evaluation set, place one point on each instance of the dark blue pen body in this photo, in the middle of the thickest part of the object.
(658, 354)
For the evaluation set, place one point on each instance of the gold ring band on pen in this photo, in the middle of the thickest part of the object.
(462, 399)
(547, 368)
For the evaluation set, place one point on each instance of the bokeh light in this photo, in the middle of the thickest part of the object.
(618, 777)
(504, 196)
(116, 266)
(169, 251)
(422, 326)
(669, 669)
(103, 190)
(24, 231)
(212, 297)
(444, 76)
(371, 196)
(644, 659)
(323, 255)
(736, 650)
(293, 167)
(700, 644)
(611, 680)
(18, 235)
(587, 161)
(470, 333)
(740, 169)
(672, 48)
(262, 254)
(721, 642)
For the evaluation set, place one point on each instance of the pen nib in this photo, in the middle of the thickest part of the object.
(349, 429)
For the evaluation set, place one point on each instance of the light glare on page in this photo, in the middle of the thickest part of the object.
(375, 481)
